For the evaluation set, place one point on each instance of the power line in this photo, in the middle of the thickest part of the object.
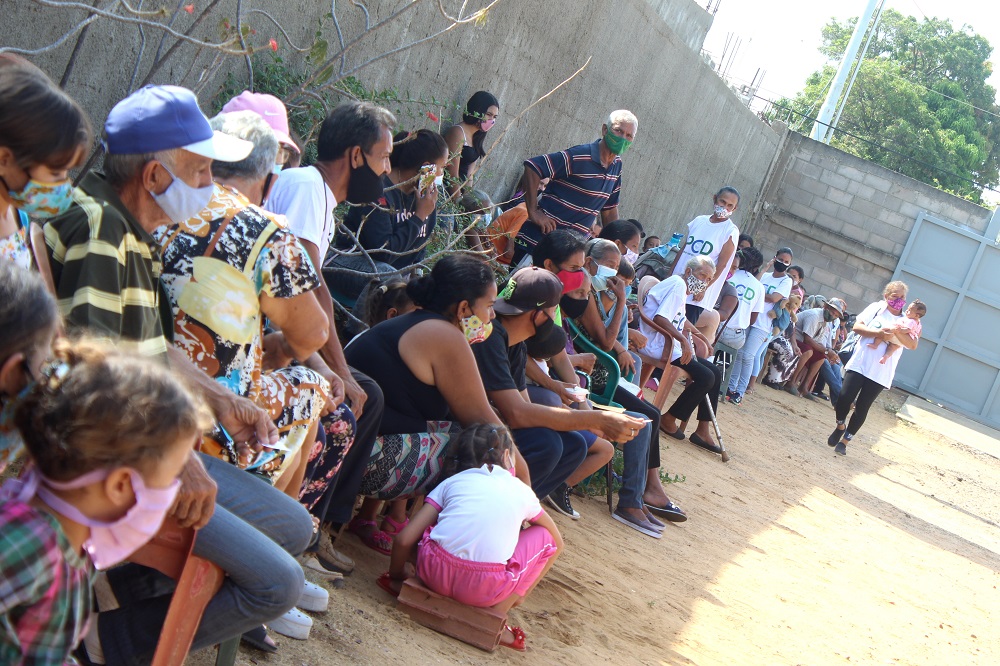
(887, 149)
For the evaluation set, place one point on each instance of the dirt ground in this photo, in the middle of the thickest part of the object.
(792, 555)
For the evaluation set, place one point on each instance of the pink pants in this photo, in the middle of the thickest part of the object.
(484, 584)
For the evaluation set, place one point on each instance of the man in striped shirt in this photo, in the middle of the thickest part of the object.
(585, 181)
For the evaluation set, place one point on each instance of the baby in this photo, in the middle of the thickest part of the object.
(910, 322)
(783, 314)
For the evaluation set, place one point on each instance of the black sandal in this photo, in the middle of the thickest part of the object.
(258, 639)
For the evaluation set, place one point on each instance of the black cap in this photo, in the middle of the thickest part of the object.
(530, 288)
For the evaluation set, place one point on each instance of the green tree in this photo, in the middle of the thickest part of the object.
(920, 105)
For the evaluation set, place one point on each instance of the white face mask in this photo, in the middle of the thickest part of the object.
(631, 256)
(180, 202)
(439, 181)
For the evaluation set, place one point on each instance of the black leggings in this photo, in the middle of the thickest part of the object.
(861, 391)
(633, 403)
(706, 379)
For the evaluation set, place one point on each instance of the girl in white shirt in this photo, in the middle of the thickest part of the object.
(467, 535)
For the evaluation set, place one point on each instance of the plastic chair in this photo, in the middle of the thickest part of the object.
(169, 552)
(585, 345)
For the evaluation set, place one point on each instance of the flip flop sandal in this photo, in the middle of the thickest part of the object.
(375, 539)
(257, 638)
(385, 582)
(709, 446)
(518, 642)
(670, 511)
(396, 527)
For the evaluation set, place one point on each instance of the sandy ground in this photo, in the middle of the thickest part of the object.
(792, 555)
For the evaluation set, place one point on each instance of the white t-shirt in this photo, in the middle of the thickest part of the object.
(302, 196)
(771, 284)
(707, 238)
(667, 300)
(811, 323)
(750, 293)
(480, 513)
(865, 360)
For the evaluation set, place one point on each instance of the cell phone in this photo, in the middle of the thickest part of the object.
(425, 182)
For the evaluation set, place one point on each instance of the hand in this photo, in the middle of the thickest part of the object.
(636, 339)
(559, 388)
(687, 351)
(543, 221)
(698, 297)
(275, 352)
(625, 362)
(584, 362)
(617, 427)
(195, 502)
(247, 422)
(335, 397)
(354, 394)
(617, 288)
(426, 202)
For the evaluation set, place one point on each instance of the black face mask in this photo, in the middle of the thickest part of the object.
(542, 330)
(365, 185)
(573, 307)
(827, 315)
(780, 267)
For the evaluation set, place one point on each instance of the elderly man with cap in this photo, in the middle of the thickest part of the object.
(105, 265)
(584, 184)
(814, 340)
(546, 436)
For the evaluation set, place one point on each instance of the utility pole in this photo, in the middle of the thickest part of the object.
(821, 128)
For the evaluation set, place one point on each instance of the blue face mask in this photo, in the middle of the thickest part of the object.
(276, 169)
(628, 292)
(43, 200)
(600, 281)
(180, 202)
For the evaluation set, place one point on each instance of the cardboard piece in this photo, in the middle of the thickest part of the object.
(480, 627)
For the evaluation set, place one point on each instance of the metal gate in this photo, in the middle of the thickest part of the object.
(956, 272)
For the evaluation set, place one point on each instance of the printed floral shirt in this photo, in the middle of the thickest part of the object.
(215, 268)
(15, 246)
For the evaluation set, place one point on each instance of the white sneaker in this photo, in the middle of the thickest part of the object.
(314, 598)
(294, 624)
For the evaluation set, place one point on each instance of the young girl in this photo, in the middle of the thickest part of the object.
(910, 322)
(99, 483)
(471, 545)
(43, 134)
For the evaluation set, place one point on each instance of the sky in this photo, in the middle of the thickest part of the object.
(781, 37)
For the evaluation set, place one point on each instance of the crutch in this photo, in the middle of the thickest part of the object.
(711, 412)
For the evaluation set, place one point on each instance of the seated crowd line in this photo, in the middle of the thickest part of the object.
(198, 268)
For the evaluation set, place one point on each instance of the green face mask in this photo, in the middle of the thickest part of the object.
(616, 144)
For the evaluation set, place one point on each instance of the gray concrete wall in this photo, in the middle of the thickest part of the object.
(846, 219)
(694, 134)
(687, 18)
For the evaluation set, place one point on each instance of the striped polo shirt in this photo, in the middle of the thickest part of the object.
(579, 189)
(106, 269)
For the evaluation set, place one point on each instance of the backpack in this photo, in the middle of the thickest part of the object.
(656, 262)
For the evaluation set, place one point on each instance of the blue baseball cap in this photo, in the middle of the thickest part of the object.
(156, 118)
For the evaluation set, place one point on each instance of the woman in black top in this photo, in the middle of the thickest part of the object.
(423, 363)
(465, 145)
(396, 230)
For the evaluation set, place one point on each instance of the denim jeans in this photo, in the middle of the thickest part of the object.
(636, 454)
(253, 536)
(743, 366)
(830, 374)
(551, 456)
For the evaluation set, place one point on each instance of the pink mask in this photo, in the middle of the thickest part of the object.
(109, 543)
(485, 125)
(896, 303)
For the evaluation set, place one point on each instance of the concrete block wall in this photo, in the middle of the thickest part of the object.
(694, 134)
(847, 220)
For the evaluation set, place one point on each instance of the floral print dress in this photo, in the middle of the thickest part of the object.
(216, 267)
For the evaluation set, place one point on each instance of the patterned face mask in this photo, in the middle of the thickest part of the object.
(696, 286)
(43, 200)
(896, 303)
(475, 330)
(722, 212)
